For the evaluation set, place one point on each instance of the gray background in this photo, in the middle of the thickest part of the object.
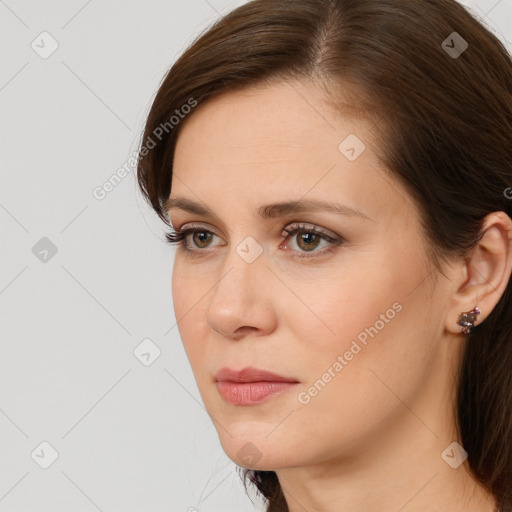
(83, 281)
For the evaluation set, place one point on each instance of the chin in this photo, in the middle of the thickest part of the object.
(258, 452)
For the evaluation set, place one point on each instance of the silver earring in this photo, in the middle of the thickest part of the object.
(467, 320)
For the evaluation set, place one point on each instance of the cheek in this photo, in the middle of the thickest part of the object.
(360, 318)
(189, 303)
(368, 314)
(343, 304)
(190, 286)
(367, 292)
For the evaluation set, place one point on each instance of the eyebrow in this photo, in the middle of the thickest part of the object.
(270, 211)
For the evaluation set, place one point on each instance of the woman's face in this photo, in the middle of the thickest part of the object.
(352, 317)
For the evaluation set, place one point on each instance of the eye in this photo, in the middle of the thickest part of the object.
(200, 237)
(310, 239)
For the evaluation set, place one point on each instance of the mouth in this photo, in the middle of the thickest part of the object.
(251, 385)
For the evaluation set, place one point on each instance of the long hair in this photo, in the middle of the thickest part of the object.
(438, 85)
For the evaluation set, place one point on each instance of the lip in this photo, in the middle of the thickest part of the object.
(250, 386)
(250, 374)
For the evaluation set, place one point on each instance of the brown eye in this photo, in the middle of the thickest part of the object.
(201, 238)
(307, 240)
(303, 241)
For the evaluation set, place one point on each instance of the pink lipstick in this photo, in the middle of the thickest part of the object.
(251, 385)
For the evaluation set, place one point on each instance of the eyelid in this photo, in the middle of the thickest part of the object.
(307, 226)
(197, 227)
(333, 239)
(193, 225)
(288, 229)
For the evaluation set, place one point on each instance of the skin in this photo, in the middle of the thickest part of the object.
(372, 438)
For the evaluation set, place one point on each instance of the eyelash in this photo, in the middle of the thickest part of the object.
(175, 237)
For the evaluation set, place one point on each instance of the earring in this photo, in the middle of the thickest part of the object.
(467, 319)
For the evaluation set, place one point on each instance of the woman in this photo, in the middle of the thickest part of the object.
(337, 176)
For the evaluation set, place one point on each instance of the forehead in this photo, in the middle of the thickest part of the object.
(266, 121)
(279, 142)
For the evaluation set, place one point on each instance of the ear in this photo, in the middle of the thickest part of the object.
(485, 273)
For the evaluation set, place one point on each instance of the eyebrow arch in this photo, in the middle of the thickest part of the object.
(270, 211)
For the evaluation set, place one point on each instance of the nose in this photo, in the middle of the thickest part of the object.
(241, 302)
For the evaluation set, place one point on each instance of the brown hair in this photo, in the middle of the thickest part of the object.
(445, 132)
